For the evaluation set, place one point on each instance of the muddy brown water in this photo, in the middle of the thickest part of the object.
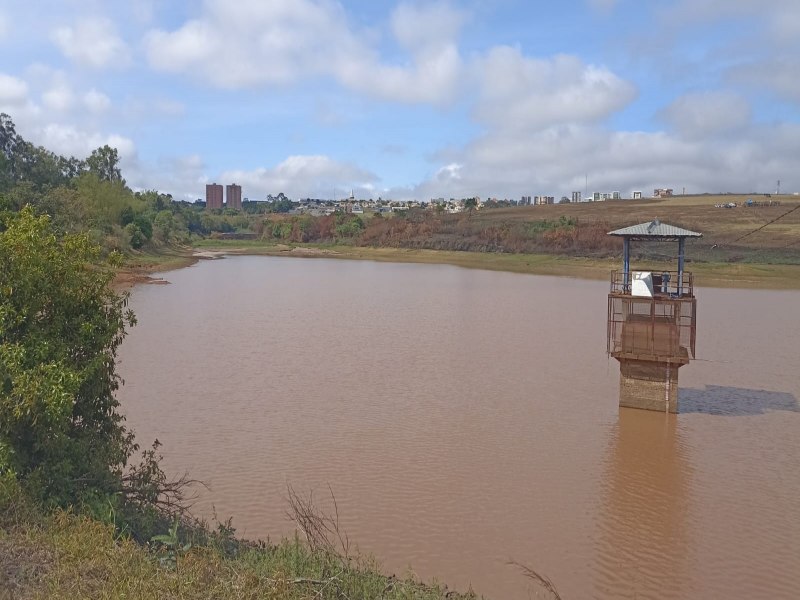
(465, 419)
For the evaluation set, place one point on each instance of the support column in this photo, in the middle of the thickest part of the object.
(648, 385)
(626, 264)
(681, 242)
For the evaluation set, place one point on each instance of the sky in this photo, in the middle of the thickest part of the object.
(402, 100)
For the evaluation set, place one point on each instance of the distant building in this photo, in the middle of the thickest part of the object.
(576, 196)
(233, 196)
(525, 201)
(636, 195)
(544, 200)
(213, 196)
(603, 196)
(662, 192)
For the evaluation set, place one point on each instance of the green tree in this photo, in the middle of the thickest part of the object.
(163, 224)
(104, 163)
(60, 328)
(145, 225)
(136, 237)
(103, 201)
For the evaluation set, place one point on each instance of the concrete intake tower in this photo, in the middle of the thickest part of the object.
(652, 321)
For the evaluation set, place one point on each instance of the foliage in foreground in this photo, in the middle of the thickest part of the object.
(62, 437)
(60, 327)
(65, 555)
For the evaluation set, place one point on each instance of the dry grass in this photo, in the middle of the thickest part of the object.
(718, 225)
(65, 555)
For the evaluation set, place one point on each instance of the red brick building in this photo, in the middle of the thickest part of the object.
(213, 196)
(233, 196)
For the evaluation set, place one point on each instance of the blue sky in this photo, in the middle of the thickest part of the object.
(414, 99)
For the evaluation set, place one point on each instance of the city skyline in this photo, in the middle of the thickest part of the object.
(414, 100)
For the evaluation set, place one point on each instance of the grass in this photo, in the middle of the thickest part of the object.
(163, 260)
(66, 555)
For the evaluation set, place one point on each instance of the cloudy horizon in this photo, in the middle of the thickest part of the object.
(414, 99)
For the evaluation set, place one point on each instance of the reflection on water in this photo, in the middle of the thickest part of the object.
(643, 546)
(467, 418)
(722, 400)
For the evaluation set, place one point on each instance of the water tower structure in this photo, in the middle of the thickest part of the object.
(652, 321)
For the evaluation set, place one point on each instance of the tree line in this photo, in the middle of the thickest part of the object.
(91, 195)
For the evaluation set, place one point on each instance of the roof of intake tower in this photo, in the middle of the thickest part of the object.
(654, 230)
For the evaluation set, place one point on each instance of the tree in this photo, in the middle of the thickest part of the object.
(135, 236)
(104, 163)
(470, 204)
(60, 328)
(9, 138)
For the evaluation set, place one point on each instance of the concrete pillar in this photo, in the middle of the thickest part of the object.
(626, 265)
(648, 385)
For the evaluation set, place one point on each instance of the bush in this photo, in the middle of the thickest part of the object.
(60, 327)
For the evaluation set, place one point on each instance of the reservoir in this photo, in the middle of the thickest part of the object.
(466, 419)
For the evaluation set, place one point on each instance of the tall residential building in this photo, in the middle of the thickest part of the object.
(576, 196)
(233, 196)
(213, 196)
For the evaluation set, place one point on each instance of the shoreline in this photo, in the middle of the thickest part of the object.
(718, 275)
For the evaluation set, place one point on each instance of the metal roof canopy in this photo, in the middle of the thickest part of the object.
(654, 231)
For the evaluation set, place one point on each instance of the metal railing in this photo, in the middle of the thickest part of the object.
(663, 327)
(665, 283)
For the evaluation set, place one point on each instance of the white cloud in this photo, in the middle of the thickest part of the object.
(251, 43)
(301, 176)
(142, 10)
(421, 28)
(96, 102)
(13, 92)
(92, 42)
(522, 92)
(784, 24)
(770, 21)
(708, 113)
(704, 10)
(184, 176)
(449, 173)
(70, 140)
(779, 74)
(58, 98)
(554, 161)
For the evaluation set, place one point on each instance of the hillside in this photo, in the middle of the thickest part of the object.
(778, 242)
